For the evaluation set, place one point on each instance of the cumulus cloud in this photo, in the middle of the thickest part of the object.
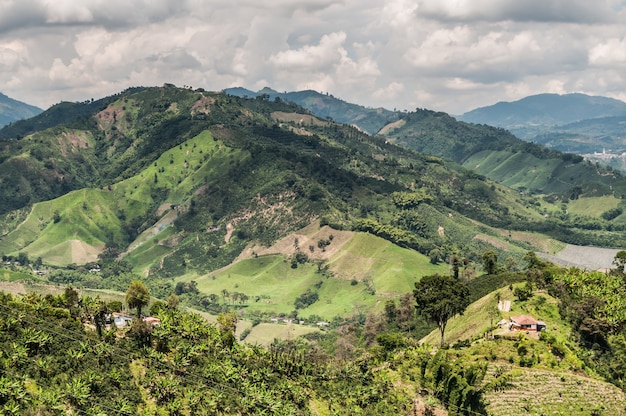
(324, 55)
(611, 52)
(450, 55)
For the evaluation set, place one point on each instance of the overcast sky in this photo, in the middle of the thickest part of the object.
(448, 55)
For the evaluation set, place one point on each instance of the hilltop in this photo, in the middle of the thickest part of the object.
(546, 110)
(327, 107)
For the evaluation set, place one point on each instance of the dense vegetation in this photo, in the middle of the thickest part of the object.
(53, 363)
(59, 356)
(159, 190)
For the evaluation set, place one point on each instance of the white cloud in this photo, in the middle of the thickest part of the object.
(450, 55)
(611, 52)
(324, 55)
(390, 91)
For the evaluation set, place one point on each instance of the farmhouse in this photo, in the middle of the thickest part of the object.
(282, 319)
(526, 323)
(122, 319)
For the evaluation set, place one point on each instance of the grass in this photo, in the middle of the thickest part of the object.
(593, 206)
(95, 216)
(476, 320)
(512, 169)
(393, 269)
(364, 271)
(541, 382)
(8, 275)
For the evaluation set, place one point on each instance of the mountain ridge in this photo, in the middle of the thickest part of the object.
(547, 109)
(12, 110)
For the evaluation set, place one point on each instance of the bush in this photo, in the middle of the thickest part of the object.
(306, 299)
(244, 334)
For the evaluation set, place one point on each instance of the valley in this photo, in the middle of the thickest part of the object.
(256, 222)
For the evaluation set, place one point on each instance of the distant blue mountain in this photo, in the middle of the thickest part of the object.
(546, 110)
(12, 110)
(370, 120)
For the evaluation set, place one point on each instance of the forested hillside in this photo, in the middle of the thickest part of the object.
(263, 217)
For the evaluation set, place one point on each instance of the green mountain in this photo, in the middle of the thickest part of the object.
(179, 184)
(212, 165)
(12, 110)
(257, 210)
(326, 106)
(500, 156)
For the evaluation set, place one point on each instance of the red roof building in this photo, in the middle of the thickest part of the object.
(526, 323)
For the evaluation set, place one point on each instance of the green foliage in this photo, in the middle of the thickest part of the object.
(524, 293)
(306, 299)
(137, 296)
(439, 298)
(407, 200)
(490, 262)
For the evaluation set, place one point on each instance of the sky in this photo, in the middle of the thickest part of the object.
(444, 55)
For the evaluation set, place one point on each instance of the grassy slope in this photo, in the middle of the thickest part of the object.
(391, 270)
(92, 216)
(553, 385)
(514, 170)
(596, 206)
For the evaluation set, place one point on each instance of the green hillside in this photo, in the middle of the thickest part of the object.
(327, 107)
(357, 277)
(176, 184)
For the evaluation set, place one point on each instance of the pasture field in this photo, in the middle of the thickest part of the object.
(362, 272)
(593, 206)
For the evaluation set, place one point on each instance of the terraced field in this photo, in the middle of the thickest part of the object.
(541, 392)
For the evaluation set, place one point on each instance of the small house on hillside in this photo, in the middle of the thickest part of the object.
(152, 320)
(526, 323)
(122, 319)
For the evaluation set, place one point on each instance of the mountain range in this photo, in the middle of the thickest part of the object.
(12, 110)
(575, 123)
(326, 106)
(260, 206)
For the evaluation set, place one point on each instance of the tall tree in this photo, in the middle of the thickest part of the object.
(137, 296)
(438, 298)
(490, 261)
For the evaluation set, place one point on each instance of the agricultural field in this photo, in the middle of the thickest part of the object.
(542, 392)
(588, 258)
(593, 206)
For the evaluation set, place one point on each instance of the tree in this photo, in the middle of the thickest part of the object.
(620, 261)
(434, 255)
(533, 262)
(137, 296)
(490, 261)
(227, 323)
(455, 263)
(173, 301)
(439, 298)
